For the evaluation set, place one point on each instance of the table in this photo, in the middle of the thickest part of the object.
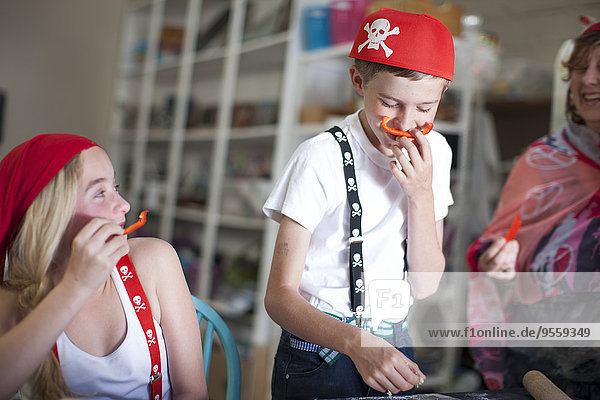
(504, 394)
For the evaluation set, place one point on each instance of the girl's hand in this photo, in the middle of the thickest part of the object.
(95, 250)
(414, 174)
(500, 259)
(383, 367)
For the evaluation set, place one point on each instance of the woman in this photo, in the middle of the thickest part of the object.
(71, 322)
(555, 188)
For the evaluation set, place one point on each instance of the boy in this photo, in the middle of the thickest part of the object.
(317, 284)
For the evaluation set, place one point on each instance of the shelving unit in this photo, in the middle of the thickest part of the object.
(195, 129)
(200, 134)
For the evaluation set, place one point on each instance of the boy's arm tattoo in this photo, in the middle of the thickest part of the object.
(282, 249)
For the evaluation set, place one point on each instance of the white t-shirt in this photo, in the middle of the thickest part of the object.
(312, 192)
(123, 374)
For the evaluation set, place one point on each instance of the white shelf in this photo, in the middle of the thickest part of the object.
(210, 54)
(199, 134)
(206, 135)
(340, 50)
(190, 214)
(196, 158)
(266, 42)
(239, 222)
(254, 132)
(157, 135)
(199, 216)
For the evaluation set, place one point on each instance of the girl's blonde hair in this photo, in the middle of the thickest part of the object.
(31, 262)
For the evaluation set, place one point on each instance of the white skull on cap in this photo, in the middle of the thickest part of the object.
(378, 32)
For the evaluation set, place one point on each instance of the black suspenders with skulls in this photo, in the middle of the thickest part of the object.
(356, 259)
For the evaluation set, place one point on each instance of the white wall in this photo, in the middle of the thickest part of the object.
(57, 59)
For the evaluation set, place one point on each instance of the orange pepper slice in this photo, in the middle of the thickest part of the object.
(398, 132)
(514, 227)
(140, 222)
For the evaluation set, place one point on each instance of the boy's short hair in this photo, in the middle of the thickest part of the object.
(369, 69)
(409, 41)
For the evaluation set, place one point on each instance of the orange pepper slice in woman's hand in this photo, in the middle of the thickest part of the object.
(140, 222)
(398, 132)
(514, 227)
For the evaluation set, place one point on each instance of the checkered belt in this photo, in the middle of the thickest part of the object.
(300, 344)
(330, 356)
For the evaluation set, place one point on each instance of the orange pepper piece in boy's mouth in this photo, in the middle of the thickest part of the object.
(140, 222)
(398, 132)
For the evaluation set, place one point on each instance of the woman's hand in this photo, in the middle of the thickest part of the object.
(500, 259)
(383, 367)
(95, 250)
(414, 174)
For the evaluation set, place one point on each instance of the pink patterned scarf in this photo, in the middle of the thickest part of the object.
(555, 186)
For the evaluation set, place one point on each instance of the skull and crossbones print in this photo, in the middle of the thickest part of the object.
(356, 260)
(352, 185)
(125, 273)
(151, 337)
(378, 32)
(356, 211)
(340, 137)
(360, 286)
(138, 304)
(348, 159)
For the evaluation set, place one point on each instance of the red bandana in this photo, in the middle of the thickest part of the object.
(400, 39)
(25, 171)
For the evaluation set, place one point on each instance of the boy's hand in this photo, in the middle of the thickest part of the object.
(383, 367)
(95, 250)
(414, 173)
(500, 259)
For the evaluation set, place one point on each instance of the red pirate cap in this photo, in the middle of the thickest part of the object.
(25, 171)
(400, 39)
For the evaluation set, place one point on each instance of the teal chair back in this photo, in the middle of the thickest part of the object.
(214, 323)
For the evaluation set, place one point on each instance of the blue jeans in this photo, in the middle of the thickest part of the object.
(299, 374)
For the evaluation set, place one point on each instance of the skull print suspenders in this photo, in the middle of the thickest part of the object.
(355, 263)
(136, 294)
(140, 303)
(356, 259)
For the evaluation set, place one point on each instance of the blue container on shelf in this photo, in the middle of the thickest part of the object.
(316, 27)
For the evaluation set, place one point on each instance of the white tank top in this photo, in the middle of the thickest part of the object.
(123, 374)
